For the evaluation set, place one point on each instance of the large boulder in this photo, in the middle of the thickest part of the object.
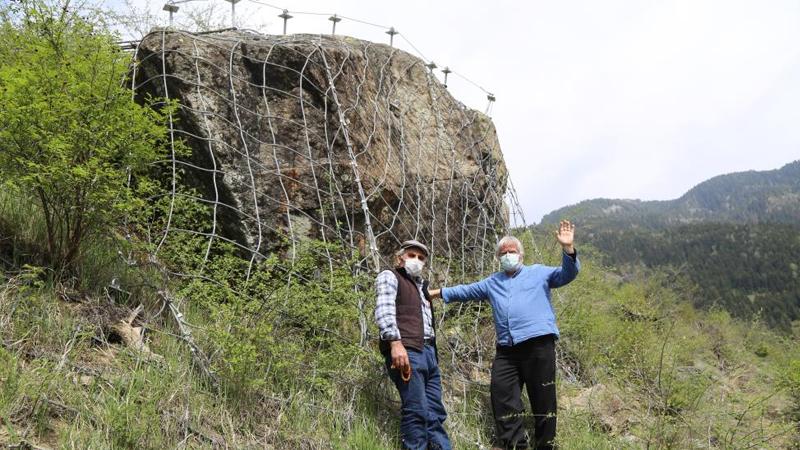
(327, 137)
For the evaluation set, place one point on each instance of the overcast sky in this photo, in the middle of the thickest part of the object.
(616, 99)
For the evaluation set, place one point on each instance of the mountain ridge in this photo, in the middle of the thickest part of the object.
(739, 197)
(736, 237)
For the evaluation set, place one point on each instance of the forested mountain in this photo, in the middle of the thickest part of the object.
(736, 237)
(742, 197)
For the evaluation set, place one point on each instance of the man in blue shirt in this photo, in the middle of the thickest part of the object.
(526, 334)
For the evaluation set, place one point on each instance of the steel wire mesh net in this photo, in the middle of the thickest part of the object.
(327, 138)
(333, 140)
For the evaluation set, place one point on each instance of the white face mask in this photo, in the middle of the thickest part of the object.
(414, 267)
(509, 262)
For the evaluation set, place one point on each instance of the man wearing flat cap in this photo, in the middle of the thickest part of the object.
(404, 314)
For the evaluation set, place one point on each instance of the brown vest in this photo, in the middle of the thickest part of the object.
(408, 306)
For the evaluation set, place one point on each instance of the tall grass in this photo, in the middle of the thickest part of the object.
(641, 368)
(102, 261)
(23, 234)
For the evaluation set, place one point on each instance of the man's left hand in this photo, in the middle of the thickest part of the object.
(566, 236)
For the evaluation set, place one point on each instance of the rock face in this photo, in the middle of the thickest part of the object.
(327, 137)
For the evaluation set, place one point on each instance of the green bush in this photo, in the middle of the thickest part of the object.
(71, 137)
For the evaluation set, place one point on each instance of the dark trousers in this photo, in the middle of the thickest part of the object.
(532, 363)
(422, 414)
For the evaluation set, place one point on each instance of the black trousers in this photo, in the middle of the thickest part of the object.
(532, 363)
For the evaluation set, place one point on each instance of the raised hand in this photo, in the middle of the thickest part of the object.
(565, 235)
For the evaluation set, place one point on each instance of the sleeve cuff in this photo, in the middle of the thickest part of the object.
(390, 336)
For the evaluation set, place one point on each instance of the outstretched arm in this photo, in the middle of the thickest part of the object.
(464, 292)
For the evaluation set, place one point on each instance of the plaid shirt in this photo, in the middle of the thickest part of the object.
(386, 311)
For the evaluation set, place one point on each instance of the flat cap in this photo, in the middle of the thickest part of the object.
(417, 244)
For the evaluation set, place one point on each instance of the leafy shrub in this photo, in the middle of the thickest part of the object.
(71, 136)
(271, 332)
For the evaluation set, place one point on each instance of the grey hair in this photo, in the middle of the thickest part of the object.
(509, 240)
(398, 257)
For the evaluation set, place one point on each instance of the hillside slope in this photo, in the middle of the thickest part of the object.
(639, 368)
(736, 237)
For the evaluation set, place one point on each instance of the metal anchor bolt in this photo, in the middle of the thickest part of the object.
(285, 16)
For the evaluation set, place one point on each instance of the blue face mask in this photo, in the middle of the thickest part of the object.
(509, 262)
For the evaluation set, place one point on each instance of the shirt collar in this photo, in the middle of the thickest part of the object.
(516, 272)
